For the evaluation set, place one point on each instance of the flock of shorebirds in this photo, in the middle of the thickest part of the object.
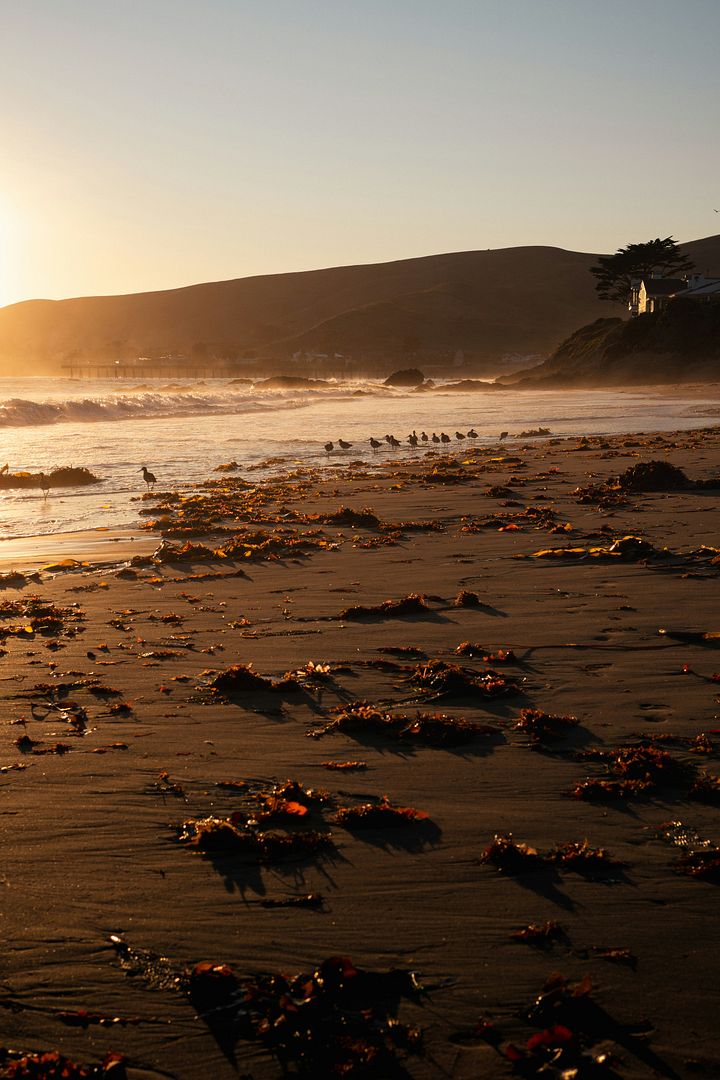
(412, 440)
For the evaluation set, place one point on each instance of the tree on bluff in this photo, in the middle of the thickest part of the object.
(615, 273)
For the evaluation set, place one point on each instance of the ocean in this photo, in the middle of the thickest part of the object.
(183, 430)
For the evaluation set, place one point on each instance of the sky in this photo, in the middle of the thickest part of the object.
(155, 143)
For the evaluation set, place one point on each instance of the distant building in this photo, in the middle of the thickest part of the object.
(651, 294)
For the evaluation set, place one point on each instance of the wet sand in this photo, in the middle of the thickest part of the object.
(89, 833)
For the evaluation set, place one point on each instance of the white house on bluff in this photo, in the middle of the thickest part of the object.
(654, 293)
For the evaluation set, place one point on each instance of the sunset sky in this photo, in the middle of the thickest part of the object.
(152, 144)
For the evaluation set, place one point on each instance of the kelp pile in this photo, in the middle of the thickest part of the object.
(512, 857)
(361, 719)
(66, 476)
(378, 815)
(532, 517)
(413, 604)
(626, 549)
(32, 615)
(439, 679)
(542, 727)
(631, 771)
(241, 678)
(337, 1021)
(52, 1065)
(255, 545)
(235, 836)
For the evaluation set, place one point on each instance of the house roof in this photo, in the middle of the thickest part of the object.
(663, 286)
(708, 288)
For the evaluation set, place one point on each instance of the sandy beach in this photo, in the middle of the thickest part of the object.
(144, 799)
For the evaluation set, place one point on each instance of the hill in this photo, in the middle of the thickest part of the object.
(486, 303)
(679, 344)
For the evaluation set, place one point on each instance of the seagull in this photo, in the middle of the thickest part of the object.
(328, 447)
(472, 434)
(444, 438)
(503, 435)
(344, 445)
(459, 435)
(149, 478)
(375, 444)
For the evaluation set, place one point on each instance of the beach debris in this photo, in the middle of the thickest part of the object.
(653, 476)
(63, 477)
(37, 616)
(14, 579)
(378, 815)
(52, 1065)
(693, 637)
(616, 955)
(360, 718)
(633, 771)
(413, 604)
(539, 933)
(466, 598)
(542, 727)
(700, 857)
(439, 679)
(512, 857)
(313, 901)
(241, 678)
(626, 548)
(222, 836)
(344, 766)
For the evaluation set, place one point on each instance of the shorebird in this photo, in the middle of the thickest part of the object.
(459, 435)
(412, 439)
(472, 433)
(392, 441)
(444, 438)
(149, 478)
(423, 436)
(375, 444)
(503, 435)
(328, 447)
(344, 445)
(44, 484)
(435, 438)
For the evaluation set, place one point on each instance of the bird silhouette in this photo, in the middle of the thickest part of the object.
(44, 484)
(149, 478)
(344, 445)
(503, 435)
(413, 439)
(444, 438)
(435, 438)
(472, 434)
(328, 447)
(459, 435)
(392, 441)
(375, 444)
(423, 436)
(5, 469)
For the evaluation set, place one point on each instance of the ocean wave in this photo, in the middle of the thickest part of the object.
(22, 412)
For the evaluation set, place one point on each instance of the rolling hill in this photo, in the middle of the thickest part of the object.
(486, 303)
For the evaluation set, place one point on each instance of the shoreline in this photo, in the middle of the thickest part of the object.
(94, 807)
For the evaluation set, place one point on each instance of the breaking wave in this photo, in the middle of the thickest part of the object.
(21, 412)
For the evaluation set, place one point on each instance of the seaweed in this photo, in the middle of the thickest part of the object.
(633, 771)
(378, 815)
(219, 836)
(510, 857)
(542, 727)
(413, 604)
(66, 476)
(465, 598)
(431, 729)
(539, 933)
(443, 680)
(240, 678)
(52, 1065)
